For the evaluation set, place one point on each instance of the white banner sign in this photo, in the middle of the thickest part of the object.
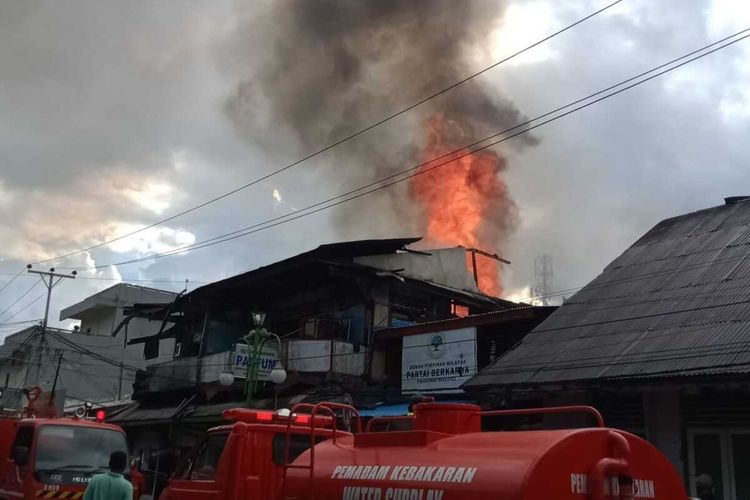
(438, 362)
(240, 359)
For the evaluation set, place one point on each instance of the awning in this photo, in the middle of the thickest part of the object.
(386, 411)
(144, 415)
(210, 413)
(399, 409)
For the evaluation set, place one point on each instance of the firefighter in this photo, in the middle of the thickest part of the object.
(704, 485)
(416, 399)
(111, 485)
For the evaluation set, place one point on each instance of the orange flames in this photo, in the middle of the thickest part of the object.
(465, 202)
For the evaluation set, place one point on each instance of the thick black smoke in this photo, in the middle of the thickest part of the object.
(329, 68)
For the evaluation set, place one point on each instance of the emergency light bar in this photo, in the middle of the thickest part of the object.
(84, 412)
(249, 416)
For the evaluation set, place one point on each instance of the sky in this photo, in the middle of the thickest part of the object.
(119, 114)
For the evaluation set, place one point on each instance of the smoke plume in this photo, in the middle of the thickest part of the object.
(329, 68)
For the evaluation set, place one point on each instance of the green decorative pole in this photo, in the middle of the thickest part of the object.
(255, 340)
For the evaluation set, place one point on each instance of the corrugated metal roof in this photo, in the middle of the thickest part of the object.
(675, 303)
(519, 312)
(211, 412)
(137, 414)
(346, 249)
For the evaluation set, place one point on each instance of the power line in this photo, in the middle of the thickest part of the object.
(16, 323)
(709, 351)
(341, 141)
(36, 283)
(54, 280)
(74, 366)
(127, 280)
(418, 170)
(37, 299)
(78, 346)
(718, 349)
(14, 278)
(123, 280)
(698, 295)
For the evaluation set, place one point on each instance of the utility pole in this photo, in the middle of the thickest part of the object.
(543, 273)
(54, 384)
(51, 274)
(50, 279)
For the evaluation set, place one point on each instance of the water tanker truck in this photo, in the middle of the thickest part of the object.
(441, 455)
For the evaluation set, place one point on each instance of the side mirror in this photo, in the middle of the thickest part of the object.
(21, 456)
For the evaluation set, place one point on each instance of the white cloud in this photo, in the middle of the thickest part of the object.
(6, 196)
(524, 23)
(723, 18)
(154, 196)
(95, 209)
(728, 15)
(152, 240)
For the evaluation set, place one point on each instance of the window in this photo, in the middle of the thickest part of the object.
(224, 329)
(459, 310)
(708, 461)
(719, 463)
(203, 464)
(92, 447)
(298, 444)
(24, 437)
(151, 348)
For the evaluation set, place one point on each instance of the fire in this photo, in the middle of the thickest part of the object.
(466, 202)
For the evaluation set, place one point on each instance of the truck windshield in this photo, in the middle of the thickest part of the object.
(69, 447)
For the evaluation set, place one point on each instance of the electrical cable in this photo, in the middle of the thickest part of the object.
(344, 198)
(18, 300)
(37, 299)
(14, 278)
(340, 141)
(123, 280)
(20, 322)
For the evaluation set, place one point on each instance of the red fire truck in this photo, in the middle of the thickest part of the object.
(45, 456)
(443, 456)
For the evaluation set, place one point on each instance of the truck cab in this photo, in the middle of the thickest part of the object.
(54, 457)
(254, 447)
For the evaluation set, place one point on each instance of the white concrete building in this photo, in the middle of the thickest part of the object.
(80, 367)
(101, 314)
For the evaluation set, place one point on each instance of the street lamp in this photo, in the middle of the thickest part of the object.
(278, 374)
(256, 339)
(259, 317)
(226, 379)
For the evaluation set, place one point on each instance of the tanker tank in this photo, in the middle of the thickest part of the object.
(447, 457)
